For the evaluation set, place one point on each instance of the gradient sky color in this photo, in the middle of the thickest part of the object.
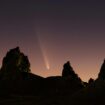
(52, 32)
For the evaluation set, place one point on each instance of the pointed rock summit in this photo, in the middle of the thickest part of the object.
(102, 71)
(69, 72)
(72, 81)
(13, 63)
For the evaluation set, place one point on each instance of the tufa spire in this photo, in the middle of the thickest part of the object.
(102, 71)
(68, 70)
(13, 63)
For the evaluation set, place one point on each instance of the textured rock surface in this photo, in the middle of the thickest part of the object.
(13, 64)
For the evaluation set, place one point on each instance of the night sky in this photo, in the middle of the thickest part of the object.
(51, 32)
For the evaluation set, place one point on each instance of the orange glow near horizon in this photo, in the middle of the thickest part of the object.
(86, 68)
(81, 70)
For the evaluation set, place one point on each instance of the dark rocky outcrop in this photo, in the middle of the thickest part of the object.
(68, 72)
(102, 71)
(19, 85)
(16, 76)
(67, 84)
(92, 94)
(14, 63)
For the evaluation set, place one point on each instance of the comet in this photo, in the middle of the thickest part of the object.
(46, 60)
(44, 53)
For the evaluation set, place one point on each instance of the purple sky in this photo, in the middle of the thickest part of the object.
(52, 32)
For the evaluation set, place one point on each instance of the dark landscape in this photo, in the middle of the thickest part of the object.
(18, 86)
(52, 52)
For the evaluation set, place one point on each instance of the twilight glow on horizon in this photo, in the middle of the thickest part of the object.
(53, 32)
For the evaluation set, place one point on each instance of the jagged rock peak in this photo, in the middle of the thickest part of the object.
(69, 75)
(68, 70)
(102, 71)
(15, 59)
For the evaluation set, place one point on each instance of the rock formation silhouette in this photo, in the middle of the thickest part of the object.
(69, 72)
(19, 86)
(102, 71)
(16, 76)
(72, 82)
(15, 58)
(13, 63)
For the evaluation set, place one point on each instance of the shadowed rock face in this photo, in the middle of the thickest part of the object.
(71, 80)
(14, 63)
(102, 71)
(67, 89)
(69, 72)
